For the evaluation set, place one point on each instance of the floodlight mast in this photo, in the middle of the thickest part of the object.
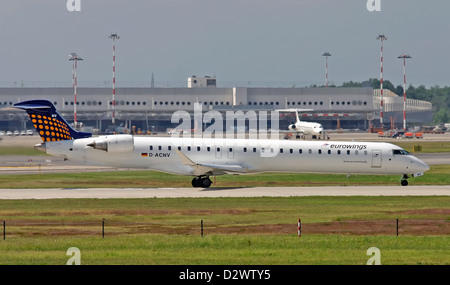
(74, 58)
(404, 56)
(326, 55)
(114, 37)
(381, 38)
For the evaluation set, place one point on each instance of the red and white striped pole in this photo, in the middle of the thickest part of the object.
(114, 37)
(75, 95)
(75, 58)
(404, 56)
(381, 38)
(326, 55)
(299, 228)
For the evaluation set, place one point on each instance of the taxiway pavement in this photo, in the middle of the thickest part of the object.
(213, 192)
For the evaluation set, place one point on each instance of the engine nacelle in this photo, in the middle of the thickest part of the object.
(114, 143)
(292, 127)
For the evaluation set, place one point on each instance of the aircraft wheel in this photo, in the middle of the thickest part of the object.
(404, 182)
(196, 182)
(199, 181)
(206, 182)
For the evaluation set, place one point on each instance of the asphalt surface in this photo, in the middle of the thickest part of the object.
(104, 193)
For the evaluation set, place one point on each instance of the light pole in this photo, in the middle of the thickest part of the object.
(114, 37)
(404, 56)
(326, 55)
(74, 58)
(381, 38)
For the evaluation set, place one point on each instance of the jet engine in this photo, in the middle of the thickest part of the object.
(114, 143)
(292, 127)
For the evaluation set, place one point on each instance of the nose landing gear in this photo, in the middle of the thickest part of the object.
(201, 182)
(403, 180)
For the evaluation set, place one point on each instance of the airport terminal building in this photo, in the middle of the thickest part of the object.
(152, 108)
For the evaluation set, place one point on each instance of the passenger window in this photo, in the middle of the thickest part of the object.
(300, 151)
(151, 148)
(198, 148)
(319, 151)
(245, 149)
(348, 152)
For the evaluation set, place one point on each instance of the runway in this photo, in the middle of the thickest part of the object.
(121, 193)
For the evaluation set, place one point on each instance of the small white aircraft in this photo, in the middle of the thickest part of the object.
(305, 128)
(203, 158)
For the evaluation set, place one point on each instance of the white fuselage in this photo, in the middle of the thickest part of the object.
(159, 153)
(307, 128)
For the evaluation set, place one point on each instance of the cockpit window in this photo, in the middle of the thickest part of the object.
(400, 152)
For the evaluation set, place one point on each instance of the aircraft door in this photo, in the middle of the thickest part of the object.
(376, 158)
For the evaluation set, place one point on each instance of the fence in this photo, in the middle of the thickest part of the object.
(109, 228)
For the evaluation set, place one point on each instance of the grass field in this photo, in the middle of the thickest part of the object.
(427, 146)
(229, 250)
(260, 231)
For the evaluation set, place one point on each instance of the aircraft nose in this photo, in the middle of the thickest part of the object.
(425, 166)
(422, 166)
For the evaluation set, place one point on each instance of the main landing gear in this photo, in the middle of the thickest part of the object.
(201, 181)
(404, 180)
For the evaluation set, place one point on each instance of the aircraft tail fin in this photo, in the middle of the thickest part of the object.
(49, 124)
(297, 117)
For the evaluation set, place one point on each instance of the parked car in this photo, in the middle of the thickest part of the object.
(2, 133)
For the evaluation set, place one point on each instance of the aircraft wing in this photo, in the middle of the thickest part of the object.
(294, 110)
(203, 168)
(290, 132)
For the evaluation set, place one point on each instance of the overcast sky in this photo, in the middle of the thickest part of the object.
(234, 40)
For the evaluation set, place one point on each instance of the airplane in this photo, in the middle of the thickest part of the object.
(202, 158)
(306, 128)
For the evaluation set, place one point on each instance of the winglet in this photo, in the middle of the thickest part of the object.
(49, 124)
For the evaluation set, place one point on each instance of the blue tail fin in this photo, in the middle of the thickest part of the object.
(49, 124)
